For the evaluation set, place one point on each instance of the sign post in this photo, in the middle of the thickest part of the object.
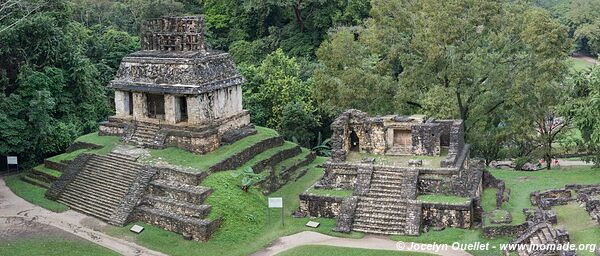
(12, 160)
(275, 202)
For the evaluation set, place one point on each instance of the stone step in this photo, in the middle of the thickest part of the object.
(113, 169)
(117, 165)
(179, 191)
(379, 215)
(387, 211)
(373, 228)
(108, 178)
(389, 186)
(380, 222)
(88, 185)
(547, 234)
(102, 204)
(392, 196)
(392, 173)
(93, 211)
(377, 232)
(94, 204)
(122, 157)
(178, 207)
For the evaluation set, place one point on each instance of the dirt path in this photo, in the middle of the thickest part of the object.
(368, 242)
(13, 207)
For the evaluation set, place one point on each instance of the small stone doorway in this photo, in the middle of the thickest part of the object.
(129, 99)
(354, 142)
(182, 114)
(156, 106)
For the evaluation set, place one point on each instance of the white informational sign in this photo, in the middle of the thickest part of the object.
(313, 224)
(275, 202)
(12, 160)
(137, 229)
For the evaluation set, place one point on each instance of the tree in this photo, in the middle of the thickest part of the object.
(298, 125)
(271, 86)
(585, 112)
(481, 53)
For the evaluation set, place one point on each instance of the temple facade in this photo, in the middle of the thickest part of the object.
(176, 91)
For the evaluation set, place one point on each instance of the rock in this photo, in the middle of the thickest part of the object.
(529, 167)
(415, 162)
(187, 236)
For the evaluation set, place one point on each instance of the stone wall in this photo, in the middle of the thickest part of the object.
(491, 232)
(197, 229)
(426, 139)
(121, 215)
(414, 217)
(248, 153)
(276, 158)
(320, 206)
(345, 218)
(448, 215)
(62, 166)
(552, 197)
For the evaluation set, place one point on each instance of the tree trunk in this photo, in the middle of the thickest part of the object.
(298, 14)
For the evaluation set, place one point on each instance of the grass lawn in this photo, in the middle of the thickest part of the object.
(46, 170)
(522, 184)
(579, 64)
(245, 229)
(582, 229)
(330, 192)
(444, 199)
(180, 157)
(463, 236)
(32, 193)
(52, 246)
(108, 143)
(322, 250)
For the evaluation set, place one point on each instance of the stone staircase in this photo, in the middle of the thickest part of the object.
(146, 135)
(101, 185)
(176, 205)
(539, 234)
(383, 209)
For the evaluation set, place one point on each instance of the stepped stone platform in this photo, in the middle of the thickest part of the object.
(387, 162)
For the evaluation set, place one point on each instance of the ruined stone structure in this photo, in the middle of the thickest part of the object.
(176, 92)
(373, 157)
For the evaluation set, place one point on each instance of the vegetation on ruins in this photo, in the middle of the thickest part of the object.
(248, 178)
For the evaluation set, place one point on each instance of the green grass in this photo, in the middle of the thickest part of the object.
(579, 64)
(245, 229)
(330, 192)
(180, 157)
(428, 161)
(108, 143)
(281, 166)
(463, 236)
(32, 193)
(52, 246)
(323, 250)
(522, 184)
(457, 200)
(268, 153)
(582, 229)
(46, 170)
(488, 199)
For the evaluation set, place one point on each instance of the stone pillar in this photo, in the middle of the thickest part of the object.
(121, 105)
(193, 109)
(140, 106)
(170, 108)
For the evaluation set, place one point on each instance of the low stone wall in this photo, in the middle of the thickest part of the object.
(77, 145)
(242, 157)
(491, 232)
(275, 180)
(197, 229)
(234, 135)
(549, 198)
(434, 184)
(59, 186)
(61, 167)
(112, 128)
(276, 158)
(320, 206)
(339, 175)
(189, 177)
(197, 142)
(447, 215)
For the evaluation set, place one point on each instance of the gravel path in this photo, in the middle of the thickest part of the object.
(368, 242)
(22, 217)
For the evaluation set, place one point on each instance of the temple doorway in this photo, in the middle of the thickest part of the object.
(156, 106)
(182, 114)
(354, 141)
